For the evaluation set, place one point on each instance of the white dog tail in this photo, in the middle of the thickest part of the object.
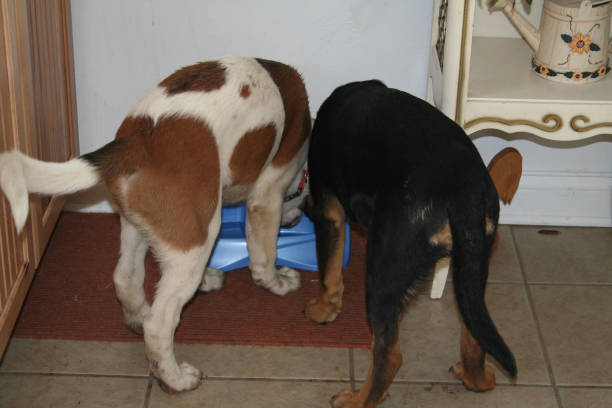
(20, 175)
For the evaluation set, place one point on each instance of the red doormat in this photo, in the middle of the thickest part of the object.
(72, 297)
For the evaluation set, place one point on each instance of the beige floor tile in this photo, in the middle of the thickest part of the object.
(586, 397)
(575, 323)
(575, 255)
(34, 391)
(504, 265)
(430, 335)
(267, 362)
(445, 396)
(251, 394)
(75, 357)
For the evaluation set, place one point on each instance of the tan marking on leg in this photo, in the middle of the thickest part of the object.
(472, 370)
(442, 237)
(297, 114)
(177, 190)
(489, 226)
(251, 153)
(204, 76)
(369, 396)
(328, 303)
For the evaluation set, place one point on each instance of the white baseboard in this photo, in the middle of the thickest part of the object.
(543, 198)
(564, 199)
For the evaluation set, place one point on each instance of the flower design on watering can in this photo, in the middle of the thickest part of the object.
(579, 43)
(572, 41)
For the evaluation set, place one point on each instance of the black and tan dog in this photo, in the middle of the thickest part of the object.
(411, 177)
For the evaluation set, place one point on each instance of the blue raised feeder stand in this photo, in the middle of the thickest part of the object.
(296, 246)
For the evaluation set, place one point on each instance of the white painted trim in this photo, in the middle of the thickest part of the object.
(561, 198)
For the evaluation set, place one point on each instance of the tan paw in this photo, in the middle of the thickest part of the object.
(345, 399)
(475, 381)
(321, 311)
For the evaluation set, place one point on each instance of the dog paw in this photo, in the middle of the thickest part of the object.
(351, 399)
(345, 399)
(287, 280)
(479, 380)
(321, 311)
(213, 280)
(186, 378)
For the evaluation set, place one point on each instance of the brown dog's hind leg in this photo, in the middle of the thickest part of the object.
(328, 217)
(472, 370)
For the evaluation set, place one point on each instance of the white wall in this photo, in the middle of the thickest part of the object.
(122, 48)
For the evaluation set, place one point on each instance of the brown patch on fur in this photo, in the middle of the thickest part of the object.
(175, 191)
(245, 91)
(472, 370)
(120, 156)
(505, 170)
(204, 76)
(297, 125)
(251, 153)
(442, 237)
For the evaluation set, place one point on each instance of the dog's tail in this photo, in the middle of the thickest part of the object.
(471, 246)
(20, 175)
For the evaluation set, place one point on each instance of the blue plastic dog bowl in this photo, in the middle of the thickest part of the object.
(296, 246)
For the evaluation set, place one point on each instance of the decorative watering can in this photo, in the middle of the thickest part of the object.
(573, 41)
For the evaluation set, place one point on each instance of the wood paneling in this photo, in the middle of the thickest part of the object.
(37, 117)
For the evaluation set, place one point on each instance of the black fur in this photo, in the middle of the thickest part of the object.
(403, 170)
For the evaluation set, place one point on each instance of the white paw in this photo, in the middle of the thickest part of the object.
(186, 378)
(287, 280)
(213, 280)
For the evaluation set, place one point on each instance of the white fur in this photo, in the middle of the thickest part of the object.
(264, 207)
(229, 116)
(181, 275)
(213, 280)
(20, 175)
(219, 108)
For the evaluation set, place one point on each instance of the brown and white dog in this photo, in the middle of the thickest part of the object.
(217, 132)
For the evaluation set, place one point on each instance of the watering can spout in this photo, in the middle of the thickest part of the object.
(529, 33)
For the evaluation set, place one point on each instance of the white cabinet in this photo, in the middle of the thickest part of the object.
(487, 86)
(487, 83)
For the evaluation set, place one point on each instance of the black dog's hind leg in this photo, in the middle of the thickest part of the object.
(472, 370)
(328, 217)
(398, 254)
(471, 250)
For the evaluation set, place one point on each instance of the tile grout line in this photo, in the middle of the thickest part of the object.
(147, 399)
(53, 374)
(534, 314)
(151, 378)
(594, 284)
(351, 369)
